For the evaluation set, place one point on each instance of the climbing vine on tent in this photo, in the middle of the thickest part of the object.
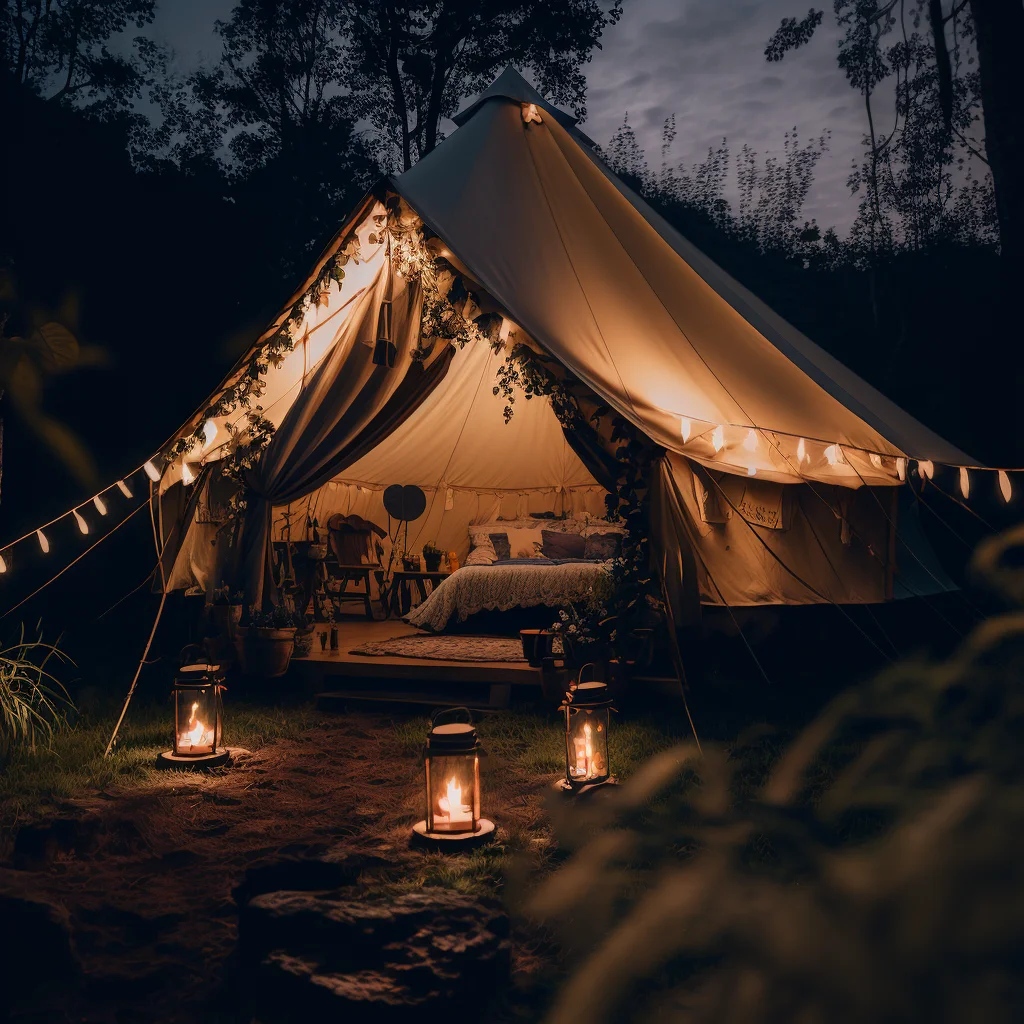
(635, 598)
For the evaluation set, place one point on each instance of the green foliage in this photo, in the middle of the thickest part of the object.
(278, 616)
(876, 873)
(34, 705)
(430, 548)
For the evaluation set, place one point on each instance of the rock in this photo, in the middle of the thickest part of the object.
(40, 949)
(433, 950)
(331, 868)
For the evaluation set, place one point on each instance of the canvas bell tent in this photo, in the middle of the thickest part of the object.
(776, 476)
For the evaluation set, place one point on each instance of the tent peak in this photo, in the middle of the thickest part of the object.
(510, 85)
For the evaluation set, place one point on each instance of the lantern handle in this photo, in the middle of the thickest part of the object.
(435, 718)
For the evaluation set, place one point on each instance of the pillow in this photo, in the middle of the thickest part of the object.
(557, 544)
(522, 543)
(482, 550)
(499, 541)
(603, 546)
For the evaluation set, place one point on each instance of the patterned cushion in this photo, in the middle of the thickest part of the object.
(603, 546)
(558, 544)
(499, 541)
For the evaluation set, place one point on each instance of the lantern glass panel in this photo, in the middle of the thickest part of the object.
(586, 745)
(196, 720)
(453, 792)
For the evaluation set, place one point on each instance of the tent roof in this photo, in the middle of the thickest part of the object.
(653, 326)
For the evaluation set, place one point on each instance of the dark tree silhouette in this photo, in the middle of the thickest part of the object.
(426, 57)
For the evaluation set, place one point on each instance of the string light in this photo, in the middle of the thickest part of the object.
(750, 441)
(43, 542)
(965, 483)
(876, 460)
(926, 468)
(834, 454)
(123, 488)
(152, 472)
(685, 426)
(82, 524)
(209, 434)
(751, 471)
(1005, 489)
(187, 476)
(100, 505)
(901, 468)
(718, 438)
(3, 565)
(801, 452)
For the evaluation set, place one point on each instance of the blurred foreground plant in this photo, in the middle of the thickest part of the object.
(33, 703)
(877, 875)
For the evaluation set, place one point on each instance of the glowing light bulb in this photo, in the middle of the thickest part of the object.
(82, 524)
(718, 438)
(123, 488)
(187, 476)
(926, 468)
(209, 434)
(100, 505)
(965, 482)
(750, 441)
(901, 468)
(751, 471)
(152, 472)
(685, 426)
(3, 565)
(531, 113)
(44, 544)
(834, 454)
(801, 452)
(876, 460)
(1005, 489)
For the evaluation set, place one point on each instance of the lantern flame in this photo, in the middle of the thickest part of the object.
(451, 804)
(196, 733)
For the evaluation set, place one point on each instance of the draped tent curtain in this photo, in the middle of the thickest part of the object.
(347, 406)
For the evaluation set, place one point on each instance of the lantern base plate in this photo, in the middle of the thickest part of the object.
(565, 787)
(198, 763)
(453, 840)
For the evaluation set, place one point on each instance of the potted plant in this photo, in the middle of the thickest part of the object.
(410, 561)
(265, 644)
(432, 556)
(226, 610)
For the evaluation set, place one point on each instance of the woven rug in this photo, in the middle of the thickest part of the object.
(445, 648)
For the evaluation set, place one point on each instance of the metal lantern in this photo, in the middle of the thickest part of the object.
(451, 774)
(197, 741)
(587, 708)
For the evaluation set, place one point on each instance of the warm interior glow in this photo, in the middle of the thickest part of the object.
(123, 488)
(187, 476)
(750, 441)
(100, 505)
(43, 542)
(589, 761)
(965, 482)
(152, 472)
(685, 426)
(718, 438)
(452, 807)
(195, 734)
(1004, 486)
(82, 524)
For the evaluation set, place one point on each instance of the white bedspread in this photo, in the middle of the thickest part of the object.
(476, 588)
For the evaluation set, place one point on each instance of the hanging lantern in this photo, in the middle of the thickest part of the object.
(1004, 486)
(965, 483)
(83, 526)
(385, 353)
(587, 708)
(100, 504)
(197, 741)
(451, 771)
(152, 472)
(123, 488)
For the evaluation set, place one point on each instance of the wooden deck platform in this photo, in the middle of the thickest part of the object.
(345, 680)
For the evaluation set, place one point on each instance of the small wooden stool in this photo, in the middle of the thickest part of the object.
(354, 574)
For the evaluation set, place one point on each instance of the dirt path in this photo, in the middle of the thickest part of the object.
(147, 873)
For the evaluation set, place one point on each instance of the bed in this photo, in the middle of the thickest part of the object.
(504, 585)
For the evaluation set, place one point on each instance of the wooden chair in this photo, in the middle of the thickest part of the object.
(353, 545)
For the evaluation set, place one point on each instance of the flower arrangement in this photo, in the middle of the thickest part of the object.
(278, 617)
(432, 556)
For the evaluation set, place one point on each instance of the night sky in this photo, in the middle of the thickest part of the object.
(701, 59)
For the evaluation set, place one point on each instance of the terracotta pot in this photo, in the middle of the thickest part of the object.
(536, 644)
(265, 652)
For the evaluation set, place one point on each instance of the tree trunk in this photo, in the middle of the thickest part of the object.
(999, 28)
(942, 65)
